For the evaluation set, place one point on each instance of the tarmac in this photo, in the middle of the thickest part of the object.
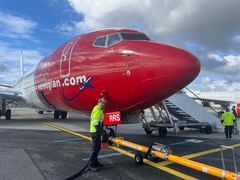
(33, 147)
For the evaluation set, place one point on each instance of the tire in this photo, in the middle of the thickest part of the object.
(208, 129)
(162, 132)
(64, 114)
(148, 131)
(138, 158)
(56, 114)
(40, 112)
(181, 128)
(0, 113)
(104, 136)
(112, 133)
(8, 114)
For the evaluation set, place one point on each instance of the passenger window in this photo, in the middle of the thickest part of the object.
(113, 39)
(101, 41)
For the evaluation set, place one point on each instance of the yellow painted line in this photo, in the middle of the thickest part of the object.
(198, 154)
(67, 130)
(207, 152)
(156, 165)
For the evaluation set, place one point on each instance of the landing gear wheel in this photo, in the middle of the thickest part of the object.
(181, 128)
(8, 114)
(0, 113)
(104, 136)
(40, 112)
(162, 132)
(56, 114)
(111, 134)
(208, 129)
(64, 114)
(148, 131)
(138, 158)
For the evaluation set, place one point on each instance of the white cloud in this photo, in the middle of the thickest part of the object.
(10, 57)
(215, 57)
(15, 27)
(233, 60)
(205, 80)
(14, 32)
(236, 39)
(219, 85)
(229, 63)
(9, 77)
(16, 24)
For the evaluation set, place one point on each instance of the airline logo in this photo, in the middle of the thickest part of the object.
(82, 86)
(82, 82)
(51, 84)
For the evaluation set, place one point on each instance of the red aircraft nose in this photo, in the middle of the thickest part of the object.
(164, 71)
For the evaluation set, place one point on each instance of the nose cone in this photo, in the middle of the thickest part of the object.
(166, 70)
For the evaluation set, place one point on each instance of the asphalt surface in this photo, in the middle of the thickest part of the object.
(30, 150)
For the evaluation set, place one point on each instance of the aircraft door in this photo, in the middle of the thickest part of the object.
(65, 62)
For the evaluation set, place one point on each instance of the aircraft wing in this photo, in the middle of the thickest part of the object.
(10, 94)
(12, 97)
(216, 101)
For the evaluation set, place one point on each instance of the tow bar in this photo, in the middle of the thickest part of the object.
(164, 152)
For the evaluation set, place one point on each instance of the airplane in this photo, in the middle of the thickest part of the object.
(223, 99)
(122, 65)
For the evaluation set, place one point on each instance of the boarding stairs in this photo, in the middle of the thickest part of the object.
(190, 113)
(180, 111)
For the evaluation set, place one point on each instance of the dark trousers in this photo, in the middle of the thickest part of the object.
(96, 146)
(228, 131)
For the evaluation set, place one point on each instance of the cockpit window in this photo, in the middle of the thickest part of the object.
(113, 39)
(108, 40)
(101, 41)
(134, 36)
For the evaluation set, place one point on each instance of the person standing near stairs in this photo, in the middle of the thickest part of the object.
(235, 126)
(228, 120)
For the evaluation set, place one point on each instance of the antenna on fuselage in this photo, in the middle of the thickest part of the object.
(21, 64)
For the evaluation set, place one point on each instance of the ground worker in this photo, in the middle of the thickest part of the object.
(228, 120)
(96, 125)
(235, 128)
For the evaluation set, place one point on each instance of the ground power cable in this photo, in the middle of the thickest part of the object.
(81, 172)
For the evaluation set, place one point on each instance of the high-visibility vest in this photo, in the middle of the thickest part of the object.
(96, 118)
(228, 118)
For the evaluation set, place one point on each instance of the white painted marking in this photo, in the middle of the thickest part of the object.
(65, 140)
(194, 140)
(107, 155)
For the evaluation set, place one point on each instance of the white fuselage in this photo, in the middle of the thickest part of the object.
(26, 86)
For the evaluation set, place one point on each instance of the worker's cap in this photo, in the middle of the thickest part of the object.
(102, 101)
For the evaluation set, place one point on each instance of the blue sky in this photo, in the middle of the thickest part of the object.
(209, 29)
(45, 19)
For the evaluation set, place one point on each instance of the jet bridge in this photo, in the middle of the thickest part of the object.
(179, 111)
